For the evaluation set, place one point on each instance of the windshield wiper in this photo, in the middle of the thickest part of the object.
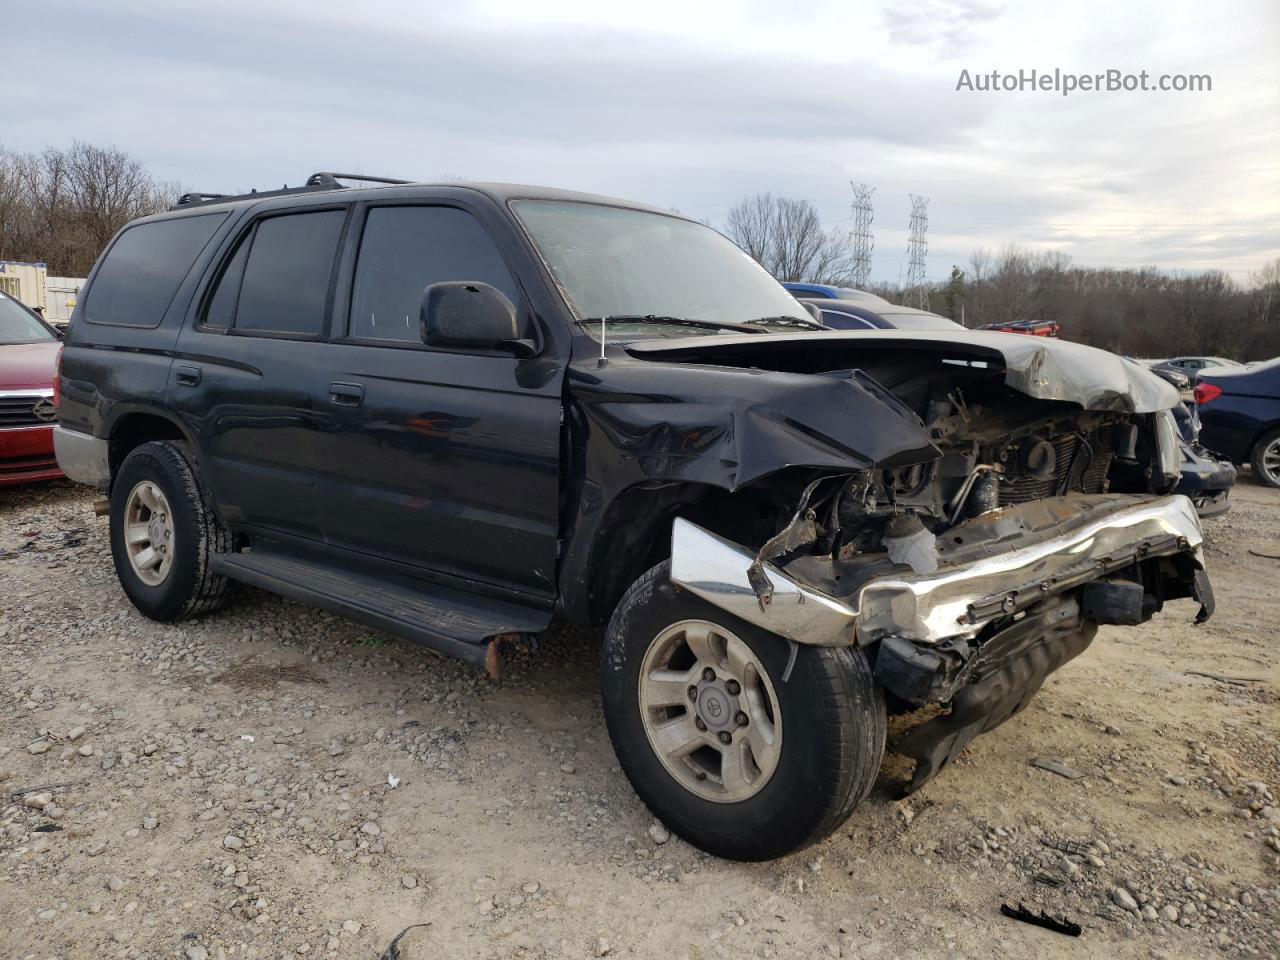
(682, 321)
(791, 322)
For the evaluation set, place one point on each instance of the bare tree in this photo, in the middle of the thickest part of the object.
(786, 237)
(61, 207)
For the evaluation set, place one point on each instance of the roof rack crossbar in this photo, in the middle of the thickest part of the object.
(327, 179)
(317, 182)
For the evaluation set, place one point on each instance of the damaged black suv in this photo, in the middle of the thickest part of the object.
(459, 412)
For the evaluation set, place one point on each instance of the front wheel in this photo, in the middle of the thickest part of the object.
(727, 749)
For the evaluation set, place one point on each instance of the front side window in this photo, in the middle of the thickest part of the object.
(406, 249)
(284, 284)
(618, 262)
(17, 325)
(143, 269)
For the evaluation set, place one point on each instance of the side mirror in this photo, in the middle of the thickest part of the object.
(815, 311)
(468, 313)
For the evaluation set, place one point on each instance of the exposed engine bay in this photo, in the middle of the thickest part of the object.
(970, 576)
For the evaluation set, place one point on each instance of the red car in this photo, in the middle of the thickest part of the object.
(29, 350)
(1033, 328)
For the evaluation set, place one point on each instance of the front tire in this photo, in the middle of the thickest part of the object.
(163, 532)
(725, 752)
(1266, 459)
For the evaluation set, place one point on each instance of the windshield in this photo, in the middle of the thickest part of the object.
(614, 262)
(17, 325)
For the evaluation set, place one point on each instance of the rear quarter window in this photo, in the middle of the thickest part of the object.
(144, 268)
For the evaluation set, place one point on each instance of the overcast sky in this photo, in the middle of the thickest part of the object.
(693, 105)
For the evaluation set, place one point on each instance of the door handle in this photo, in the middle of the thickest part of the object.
(188, 376)
(346, 394)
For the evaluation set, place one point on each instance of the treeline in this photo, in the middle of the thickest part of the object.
(1141, 313)
(61, 206)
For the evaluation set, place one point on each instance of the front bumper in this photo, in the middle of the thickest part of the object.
(26, 454)
(1018, 592)
(1022, 556)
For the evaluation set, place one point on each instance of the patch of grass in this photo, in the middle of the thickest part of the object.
(372, 640)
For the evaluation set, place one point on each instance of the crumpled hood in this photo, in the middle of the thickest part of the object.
(1040, 367)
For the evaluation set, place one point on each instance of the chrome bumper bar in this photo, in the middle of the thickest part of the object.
(956, 601)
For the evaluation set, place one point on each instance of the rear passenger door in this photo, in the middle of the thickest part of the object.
(249, 366)
(442, 461)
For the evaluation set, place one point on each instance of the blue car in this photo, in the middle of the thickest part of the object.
(823, 291)
(1240, 416)
(869, 312)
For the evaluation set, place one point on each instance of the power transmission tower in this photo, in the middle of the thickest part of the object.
(863, 240)
(917, 249)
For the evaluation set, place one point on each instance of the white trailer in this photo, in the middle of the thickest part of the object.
(61, 294)
(25, 282)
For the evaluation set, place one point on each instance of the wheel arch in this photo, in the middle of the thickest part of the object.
(633, 532)
(132, 429)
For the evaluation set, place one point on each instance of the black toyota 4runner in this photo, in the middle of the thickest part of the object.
(459, 412)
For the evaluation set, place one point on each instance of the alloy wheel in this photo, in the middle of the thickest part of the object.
(710, 712)
(149, 533)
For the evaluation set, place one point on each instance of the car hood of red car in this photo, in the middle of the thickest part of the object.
(28, 366)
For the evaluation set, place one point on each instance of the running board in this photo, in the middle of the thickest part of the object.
(449, 621)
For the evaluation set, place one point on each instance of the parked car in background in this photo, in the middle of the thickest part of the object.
(1193, 365)
(824, 291)
(1239, 408)
(858, 315)
(1033, 328)
(1207, 479)
(29, 350)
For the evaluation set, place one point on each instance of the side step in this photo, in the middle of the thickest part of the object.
(452, 622)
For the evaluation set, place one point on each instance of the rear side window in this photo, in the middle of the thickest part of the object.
(285, 282)
(145, 266)
(403, 251)
(222, 306)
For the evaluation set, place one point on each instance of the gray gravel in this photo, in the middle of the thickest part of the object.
(276, 782)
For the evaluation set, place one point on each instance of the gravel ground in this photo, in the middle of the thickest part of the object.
(276, 782)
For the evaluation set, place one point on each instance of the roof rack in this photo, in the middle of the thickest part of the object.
(315, 183)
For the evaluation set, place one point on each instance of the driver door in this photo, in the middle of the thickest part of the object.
(435, 460)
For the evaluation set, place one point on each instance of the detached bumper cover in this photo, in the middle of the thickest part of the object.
(1096, 536)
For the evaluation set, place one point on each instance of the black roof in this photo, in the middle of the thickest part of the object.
(326, 182)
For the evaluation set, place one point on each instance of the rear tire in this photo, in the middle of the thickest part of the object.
(828, 719)
(158, 504)
(1266, 459)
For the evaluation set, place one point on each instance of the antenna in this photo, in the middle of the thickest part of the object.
(917, 249)
(863, 240)
(603, 360)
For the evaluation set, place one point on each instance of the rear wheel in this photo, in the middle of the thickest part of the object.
(730, 755)
(163, 532)
(1266, 459)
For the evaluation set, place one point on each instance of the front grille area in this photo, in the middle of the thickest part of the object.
(1067, 446)
(19, 410)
